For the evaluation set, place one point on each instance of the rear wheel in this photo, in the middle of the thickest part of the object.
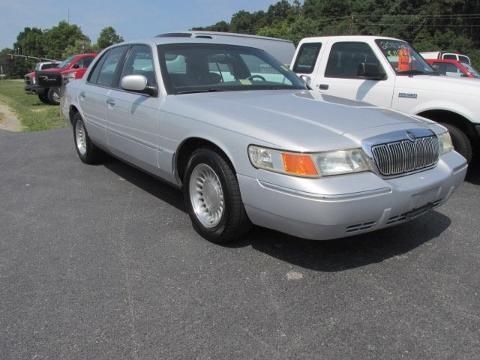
(54, 96)
(461, 142)
(86, 150)
(212, 198)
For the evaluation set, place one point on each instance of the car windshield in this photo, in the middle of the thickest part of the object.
(472, 70)
(192, 68)
(65, 62)
(403, 58)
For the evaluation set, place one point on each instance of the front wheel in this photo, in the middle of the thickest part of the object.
(461, 142)
(86, 150)
(54, 96)
(212, 198)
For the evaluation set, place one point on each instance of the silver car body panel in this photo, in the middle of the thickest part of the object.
(148, 131)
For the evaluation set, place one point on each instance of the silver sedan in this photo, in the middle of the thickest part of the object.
(249, 143)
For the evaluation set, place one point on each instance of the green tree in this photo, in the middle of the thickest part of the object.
(61, 37)
(80, 46)
(108, 36)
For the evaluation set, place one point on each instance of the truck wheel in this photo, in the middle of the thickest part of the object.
(212, 198)
(44, 98)
(86, 150)
(461, 142)
(54, 96)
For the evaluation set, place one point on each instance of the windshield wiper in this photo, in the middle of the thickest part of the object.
(413, 72)
(198, 91)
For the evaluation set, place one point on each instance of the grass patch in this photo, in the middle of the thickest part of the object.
(33, 114)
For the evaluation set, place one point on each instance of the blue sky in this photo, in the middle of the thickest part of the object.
(133, 19)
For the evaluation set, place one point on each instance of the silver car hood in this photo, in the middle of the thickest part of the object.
(296, 120)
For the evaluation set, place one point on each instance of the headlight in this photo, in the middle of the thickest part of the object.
(444, 143)
(309, 165)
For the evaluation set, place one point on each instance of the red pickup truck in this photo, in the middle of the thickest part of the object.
(48, 82)
(453, 68)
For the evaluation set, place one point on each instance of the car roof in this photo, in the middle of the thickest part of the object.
(214, 38)
(212, 35)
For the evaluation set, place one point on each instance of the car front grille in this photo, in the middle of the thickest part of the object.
(405, 156)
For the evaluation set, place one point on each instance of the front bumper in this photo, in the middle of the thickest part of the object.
(341, 206)
(34, 89)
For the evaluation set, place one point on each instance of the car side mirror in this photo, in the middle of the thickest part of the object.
(306, 79)
(370, 71)
(138, 83)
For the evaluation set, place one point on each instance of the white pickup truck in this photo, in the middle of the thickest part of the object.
(389, 73)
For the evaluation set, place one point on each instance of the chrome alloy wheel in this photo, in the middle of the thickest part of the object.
(206, 195)
(56, 96)
(80, 137)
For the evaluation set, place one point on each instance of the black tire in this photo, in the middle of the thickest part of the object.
(234, 222)
(461, 142)
(44, 98)
(91, 153)
(53, 95)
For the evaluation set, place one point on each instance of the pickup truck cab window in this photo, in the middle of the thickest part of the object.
(404, 59)
(348, 60)
(307, 58)
(140, 62)
(190, 68)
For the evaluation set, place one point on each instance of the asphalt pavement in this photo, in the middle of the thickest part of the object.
(101, 262)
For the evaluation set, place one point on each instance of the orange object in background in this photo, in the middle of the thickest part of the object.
(403, 59)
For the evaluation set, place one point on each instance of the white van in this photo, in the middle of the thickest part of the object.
(280, 49)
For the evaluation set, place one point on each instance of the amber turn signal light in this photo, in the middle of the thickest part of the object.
(299, 164)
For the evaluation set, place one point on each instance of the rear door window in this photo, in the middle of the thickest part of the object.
(307, 58)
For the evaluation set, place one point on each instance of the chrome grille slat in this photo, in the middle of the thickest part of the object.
(405, 156)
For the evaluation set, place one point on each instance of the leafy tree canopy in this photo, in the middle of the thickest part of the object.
(108, 36)
(449, 25)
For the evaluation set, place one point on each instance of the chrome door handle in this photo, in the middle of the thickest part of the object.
(110, 102)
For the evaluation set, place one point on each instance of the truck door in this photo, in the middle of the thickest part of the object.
(352, 70)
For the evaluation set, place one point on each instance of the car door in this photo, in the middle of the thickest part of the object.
(133, 117)
(353, 71)
(93, 97)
